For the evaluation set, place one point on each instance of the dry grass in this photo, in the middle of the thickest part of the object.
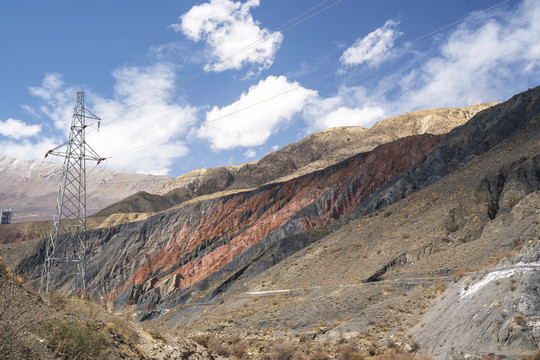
(17, 317)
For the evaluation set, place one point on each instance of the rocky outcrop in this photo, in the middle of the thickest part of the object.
(368, 279)
(496, 310)
(313, 153)
(483, 132)
(159, 258)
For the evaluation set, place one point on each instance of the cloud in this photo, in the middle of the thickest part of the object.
(29, 109)
(343, 116)
(241, 124)
(373, 47)
(58, 100)
(480, 60)
(227, 28)
(486, 58)
(135, 136)
(18, 129)
(250, 154)
(145, 138)
(26, 149)
(351, 106)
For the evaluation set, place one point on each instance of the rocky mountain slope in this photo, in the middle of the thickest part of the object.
(37, 197)
(377, 252)
(30, 188)
(417, 264)
(321, 150)
(174, 250)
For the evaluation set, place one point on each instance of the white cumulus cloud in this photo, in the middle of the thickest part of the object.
(27, 149)
(231, 34)
(18, 129)
(255, 116)
(373, 47)
(486, 58)
(351, 106)
(344, 116)
(480, 60)
(136, 134)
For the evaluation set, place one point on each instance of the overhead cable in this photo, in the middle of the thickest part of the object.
(301, 86)
(120, 114)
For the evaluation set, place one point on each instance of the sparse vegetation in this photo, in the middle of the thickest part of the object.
(56, 300)
(75, 339)
(280, 351)
(16, 317)
(348, 352)
(319, 355)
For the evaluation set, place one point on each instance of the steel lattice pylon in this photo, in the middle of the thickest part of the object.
(66, 243)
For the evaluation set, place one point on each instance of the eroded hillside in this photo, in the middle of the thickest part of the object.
(149, 261)
(427, 259)
(363, 252)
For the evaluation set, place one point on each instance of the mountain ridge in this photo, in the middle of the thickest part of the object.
(30, 188)
(320, 150)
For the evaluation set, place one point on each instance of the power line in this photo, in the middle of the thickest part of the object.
(453, 24)
(374, 57)
(280, 29)
(324, 76)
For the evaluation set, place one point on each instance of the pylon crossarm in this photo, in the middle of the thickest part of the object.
(57, 153)
(90, 115)
(91, 154)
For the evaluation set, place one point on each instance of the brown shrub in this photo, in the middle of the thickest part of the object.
(239, 350)
(124, 327)
(439, 286)
(281, 351)
(217, 346)
(18, 316)
(201, 340)
(347, 352)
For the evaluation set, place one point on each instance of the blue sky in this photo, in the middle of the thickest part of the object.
(135, 61)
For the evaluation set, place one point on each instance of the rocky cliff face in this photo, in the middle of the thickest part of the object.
(30, 188)
(313, 153)
(486, 130)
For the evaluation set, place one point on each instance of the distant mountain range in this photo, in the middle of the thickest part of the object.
(30, 188)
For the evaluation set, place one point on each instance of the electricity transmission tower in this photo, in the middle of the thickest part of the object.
(66, 243)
